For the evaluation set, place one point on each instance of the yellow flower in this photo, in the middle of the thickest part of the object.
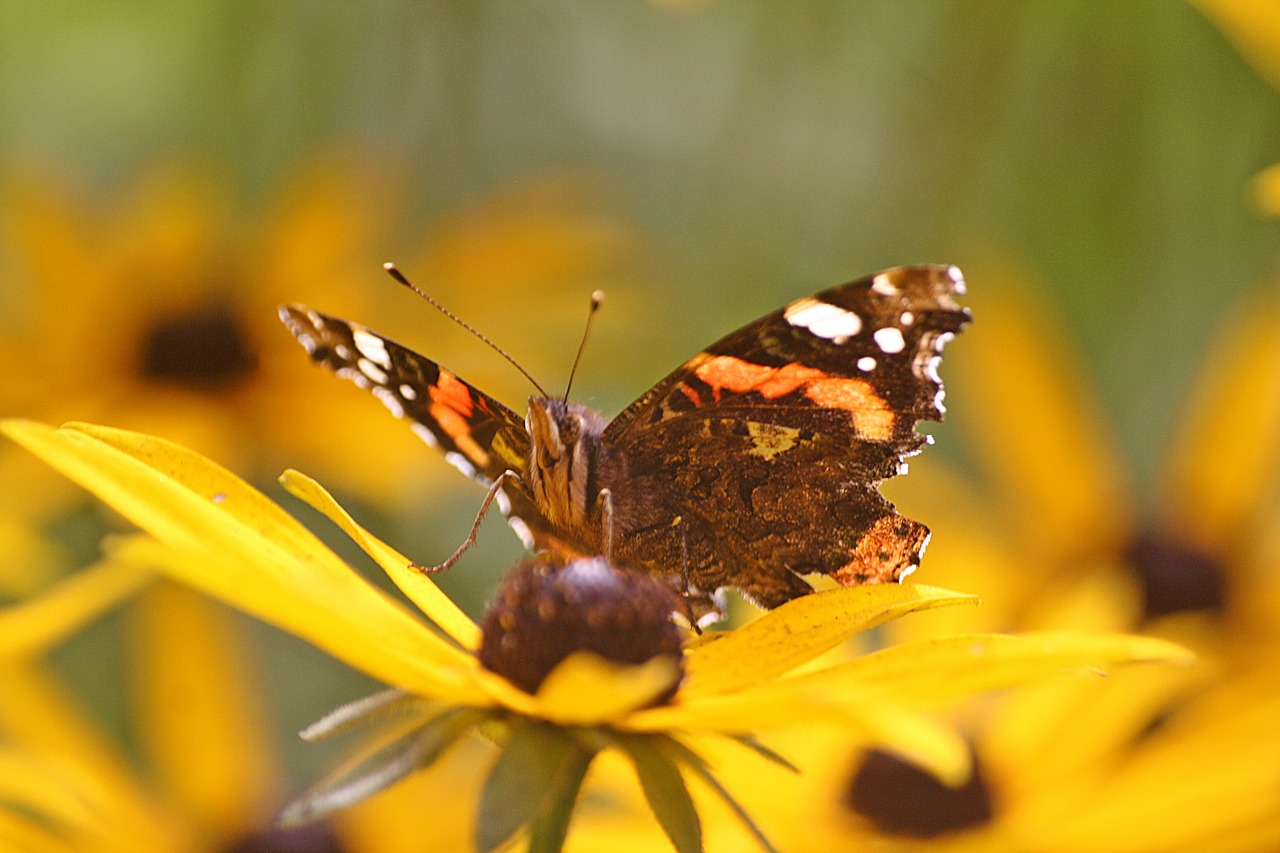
(211, 781)
(158, 310)
(1149, 759)
(211, 530)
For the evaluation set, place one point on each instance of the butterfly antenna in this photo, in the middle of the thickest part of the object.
(395, 273)
(596, 298)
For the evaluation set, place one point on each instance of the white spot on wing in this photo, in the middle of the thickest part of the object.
(408, 392)
(389, 400)
(890, 340)
(866, 364)
(425, 434)
(931, 369)
(462, 463)
(823, 319)
(881, 284)
(522, 530)
(368, 368)
(371, 347)
(344, 352)
(907, 318)
(957, 278)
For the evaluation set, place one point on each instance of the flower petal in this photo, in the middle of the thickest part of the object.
(1035, 426)
(585, 689)
(1227, 456)
(1254, 29)
(419, 587)
(931, 673)
(199, 709)
(38, 717)
(799, 631)
(863, 714)
(232, 542)
(42, 622)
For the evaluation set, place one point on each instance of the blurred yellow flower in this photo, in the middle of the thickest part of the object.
(158, 310)
(1149, 760)
(216, 533)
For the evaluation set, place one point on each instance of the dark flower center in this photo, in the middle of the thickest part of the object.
(309, 838)
(542, 615)
(1175, 577)
(902, 799)
(204, 349)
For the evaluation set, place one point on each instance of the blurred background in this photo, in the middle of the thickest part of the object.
(171, 172)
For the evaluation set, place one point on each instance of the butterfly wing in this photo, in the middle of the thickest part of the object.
(477, 434)
(772, 441)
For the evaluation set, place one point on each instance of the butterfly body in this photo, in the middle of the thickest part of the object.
(754, 463)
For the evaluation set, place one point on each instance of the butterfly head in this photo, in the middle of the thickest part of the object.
(563, 438)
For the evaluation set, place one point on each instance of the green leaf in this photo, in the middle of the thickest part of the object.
(551, 828)
(412, 752)
(750, 742)
(666, 792)
(694, 762)
(799, 631)
(535, 778)
(381, 706)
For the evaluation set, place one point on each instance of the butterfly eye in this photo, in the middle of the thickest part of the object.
(570, 429)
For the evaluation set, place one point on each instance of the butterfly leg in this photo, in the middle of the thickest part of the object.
(475, 527)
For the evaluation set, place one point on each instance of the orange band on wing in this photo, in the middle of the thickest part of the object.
(871, 415)
(451, 406)
(450, 390)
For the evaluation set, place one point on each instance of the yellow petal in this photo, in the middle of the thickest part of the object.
(36, 625)
(1226, 459)
(1266, 190)
(861, 715)
(1253, 27)
(585, 689)
(933, 672)
(28, 561)
(199, 712)
(799, 631)
(231, 541)
(38, 717)
(1035, 427)
(420, 588)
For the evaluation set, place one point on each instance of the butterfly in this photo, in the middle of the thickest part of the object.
(753, 464)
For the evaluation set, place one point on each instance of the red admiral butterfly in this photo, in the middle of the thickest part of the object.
(754, 463)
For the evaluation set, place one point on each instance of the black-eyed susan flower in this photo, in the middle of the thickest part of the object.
(211, 530)
(1151, 759)
(204, 775)
(155, 308)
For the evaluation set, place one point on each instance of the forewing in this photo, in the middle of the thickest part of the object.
(776, 437)
(869, 349)
(476, 433)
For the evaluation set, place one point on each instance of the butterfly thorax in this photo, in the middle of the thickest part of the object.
(564, 464)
